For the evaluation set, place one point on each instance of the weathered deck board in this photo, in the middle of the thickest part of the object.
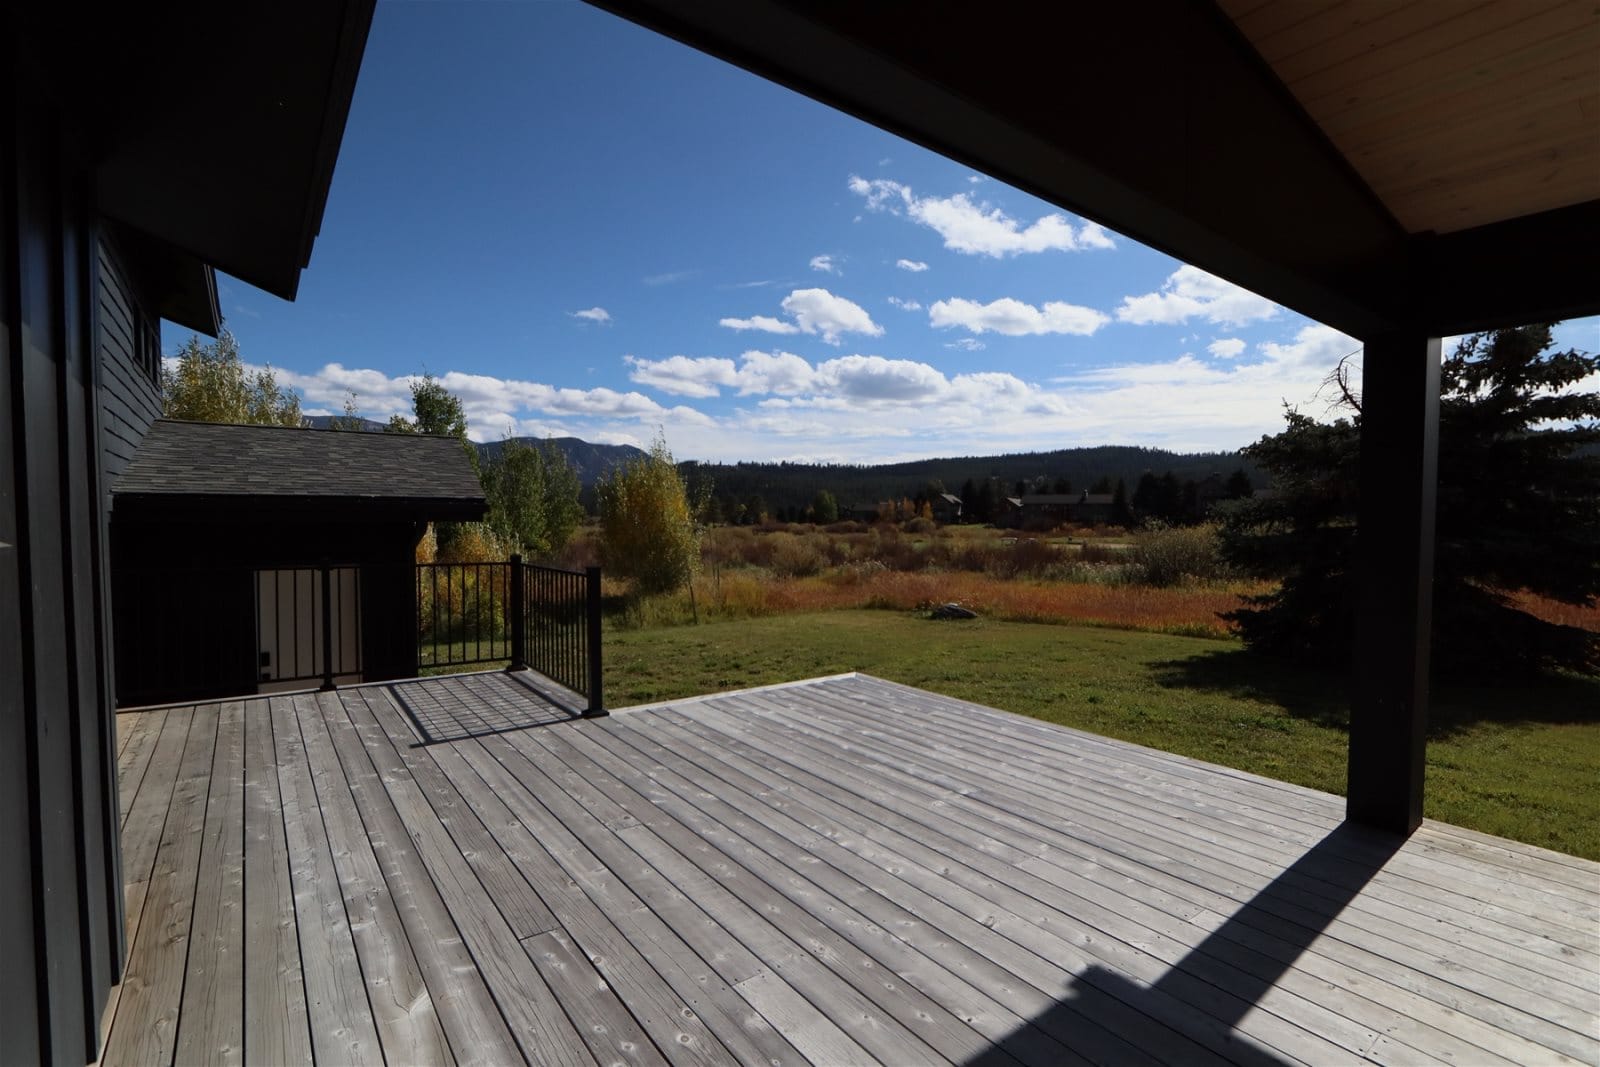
(839, 871)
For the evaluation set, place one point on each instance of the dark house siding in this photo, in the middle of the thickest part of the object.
(130, 359)
(60, 923)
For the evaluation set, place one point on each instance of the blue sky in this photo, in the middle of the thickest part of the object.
(585, 229)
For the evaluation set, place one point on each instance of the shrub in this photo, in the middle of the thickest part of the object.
(1174, 554)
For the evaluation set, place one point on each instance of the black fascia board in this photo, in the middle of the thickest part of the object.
(1538, 268)
(166, 507)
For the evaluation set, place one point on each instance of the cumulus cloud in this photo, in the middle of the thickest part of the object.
(1190, 292)
(683, 375)
(977, 228)
(765, 373)
(1015, 318)
(764, 323)
(1226, 347)
(821, 312)
(915, 266)
(825, 264)
(814, 311)
(595, 314)
(491, 403)
(905, 305)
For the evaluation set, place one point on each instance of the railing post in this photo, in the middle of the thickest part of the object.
(597, 706)
(516, 606)
(327, 626)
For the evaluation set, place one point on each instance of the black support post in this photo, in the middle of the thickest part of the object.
(597, 706)
(1394, 580)
(327, 626)
(517, 608)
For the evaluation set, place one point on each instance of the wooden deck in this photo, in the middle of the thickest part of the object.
(838, 871)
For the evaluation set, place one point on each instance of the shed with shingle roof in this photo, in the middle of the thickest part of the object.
(219, 534)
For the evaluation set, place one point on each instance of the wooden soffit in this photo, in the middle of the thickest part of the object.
(1456, 113)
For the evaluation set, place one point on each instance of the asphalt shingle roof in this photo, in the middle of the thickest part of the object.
(217, 460)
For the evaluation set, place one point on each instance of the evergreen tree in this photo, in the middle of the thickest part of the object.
(1518, 509)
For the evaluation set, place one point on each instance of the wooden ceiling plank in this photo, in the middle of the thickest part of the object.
(1538, 86)
(1430, 86)
(1349, 33)
(1538, 165)
(1450, 150)
(1458, 43)
(1559, 178)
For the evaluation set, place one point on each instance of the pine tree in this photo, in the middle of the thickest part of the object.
(1518, 509)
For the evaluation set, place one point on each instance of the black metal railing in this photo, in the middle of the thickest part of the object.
(461, 614)
(525, 615)
(308, 624)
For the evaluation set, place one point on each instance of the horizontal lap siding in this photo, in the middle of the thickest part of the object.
(130, 399)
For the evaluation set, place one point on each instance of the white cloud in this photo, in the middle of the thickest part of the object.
(814, 311)
(1015, 318)
(765, 323)
(825, 264)
(915, 266)
(1226, 347)
(683, 375)
(1190, 292)
(490, 403)
(978, 228)
(821, 312)
(905, 305)
(783, 373)
(967, 344)
(766, 373)
(595, 314)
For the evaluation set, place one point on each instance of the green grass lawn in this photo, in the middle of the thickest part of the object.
(1519, 760)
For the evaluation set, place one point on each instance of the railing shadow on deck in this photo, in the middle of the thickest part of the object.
(1244, 958)
(460, 707)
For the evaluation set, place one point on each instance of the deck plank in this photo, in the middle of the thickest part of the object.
(1492, 957)
(536, 1018)
(845, 870)
(342, 1028)
(614, 1036)
(213, 987)
(477, 1033)
(657, 992)
(1508, 968)
(277, 1024)
(146, 1027)
(408, 1026)
(1440, 1018)
(138, 732)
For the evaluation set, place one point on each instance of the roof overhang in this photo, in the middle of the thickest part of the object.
(214, 131)
(1160, 120)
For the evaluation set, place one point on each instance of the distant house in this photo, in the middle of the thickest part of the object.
(1052, 509)
(946, 508)
(218, 537)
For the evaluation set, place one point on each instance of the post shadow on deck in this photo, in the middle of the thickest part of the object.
(1221, 979)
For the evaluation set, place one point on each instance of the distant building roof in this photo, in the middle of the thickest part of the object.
(1064, 499)
(951, 498)
(203, 463)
